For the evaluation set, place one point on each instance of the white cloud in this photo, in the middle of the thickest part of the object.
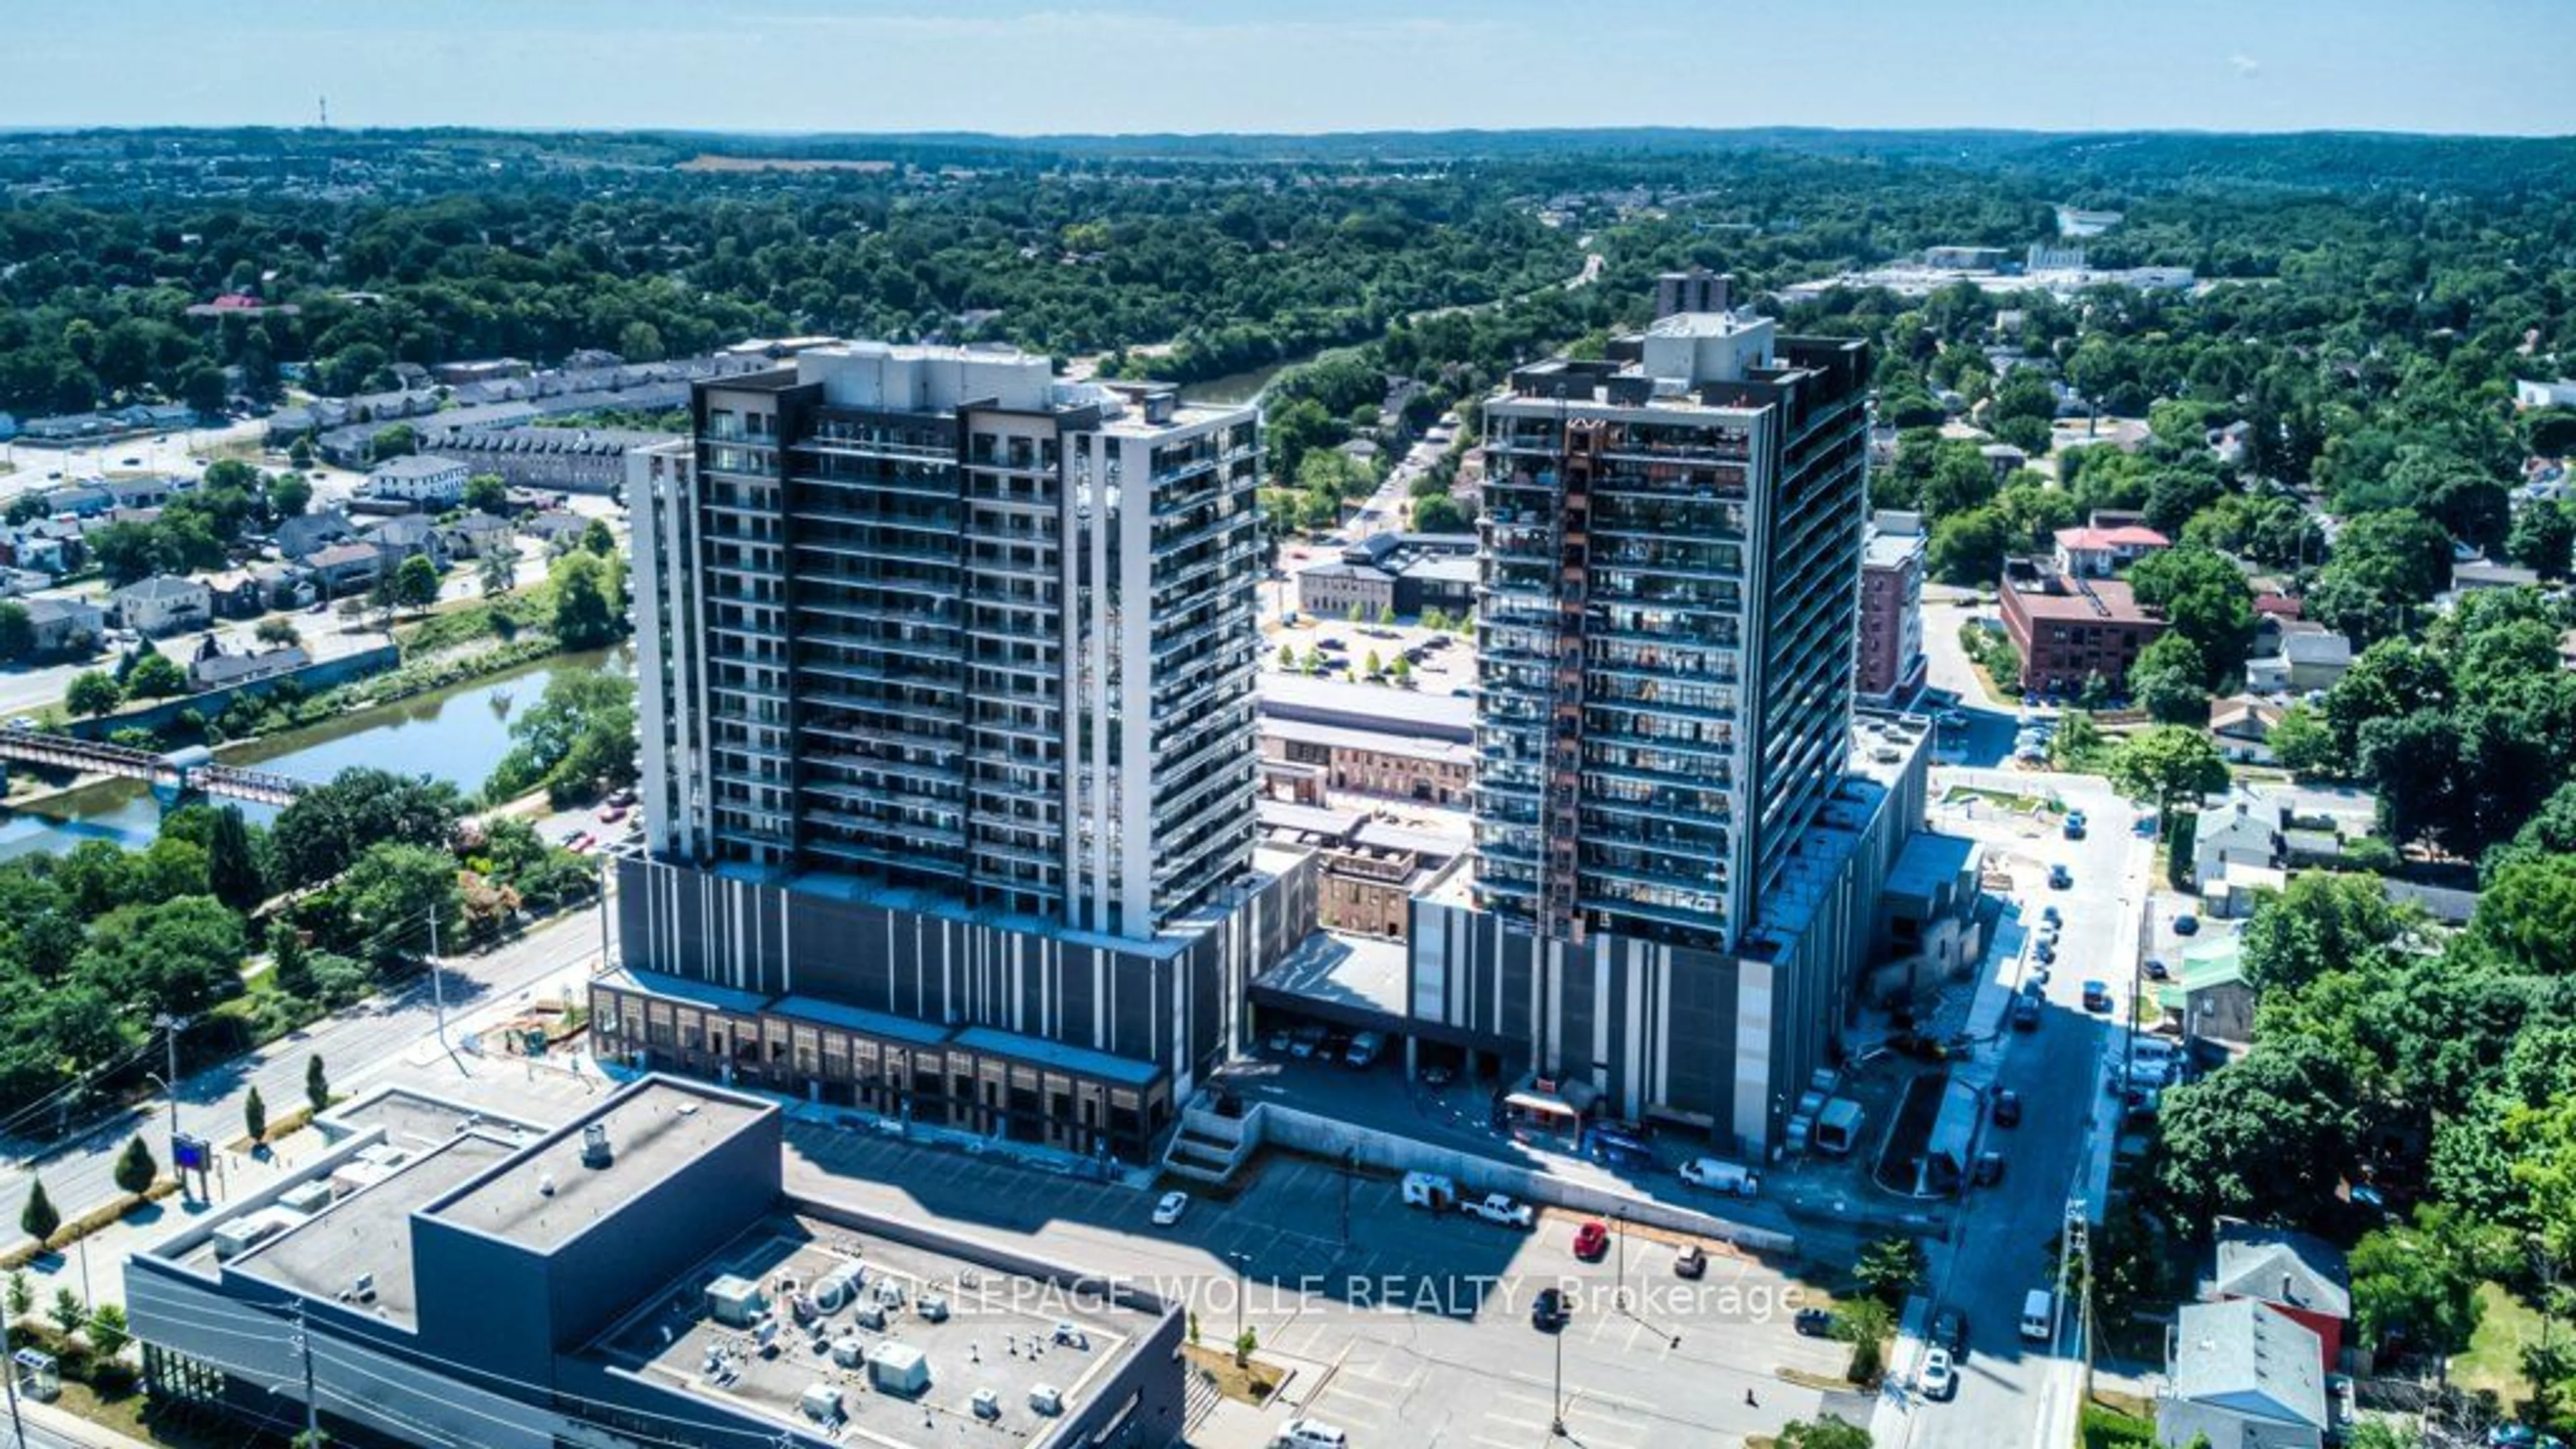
(2244, 64)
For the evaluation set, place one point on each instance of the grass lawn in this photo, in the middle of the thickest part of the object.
(2107, 1428)
(2018, 804)
(2493, 1362)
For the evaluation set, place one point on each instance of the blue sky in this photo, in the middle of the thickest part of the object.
(1015, 66)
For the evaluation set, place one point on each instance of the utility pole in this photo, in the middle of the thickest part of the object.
(437, 986)
(1556, 1391)
(312, 1405)
(1619, 1295)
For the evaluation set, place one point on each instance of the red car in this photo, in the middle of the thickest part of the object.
(1592, 1240)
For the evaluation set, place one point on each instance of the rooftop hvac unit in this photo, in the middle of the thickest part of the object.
(898, 1368)
(594, 1145)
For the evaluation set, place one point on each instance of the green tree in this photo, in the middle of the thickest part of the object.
(2205, 600)
(299, 455)
(2529, 914)
(135, 1168)
(1865, 1324)
(38, 1219)
(2301, 743)
(1968, 548)
(1825, 1431)
(289, 494)
(1401, 669)
(393, 442)
(287, 963)
(2168, 764)
(487, 493)
(1891, 1267)
(107, 1332)
(232, 862)
(580, 735)
(2544, 534)
(279, 634)
(67, 1312)
(318, 836)
(499, 571)
(255, 1117)
(92, 693)
(154, 676)
(586, 615)
(416, 583)
(2267, 1136)
(22, 1294)
(2170, 682)
(317, 1085)
(393, 890)
(1246, 1344)
(1440, 513)
(1287, 656)
(2320, 922)
(597, 540)
(17, 633)
(2419, 1281)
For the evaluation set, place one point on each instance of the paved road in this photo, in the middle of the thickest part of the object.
(367, 1037)
(2061, 1149)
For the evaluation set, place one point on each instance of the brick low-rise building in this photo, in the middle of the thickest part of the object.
(2066, 629)
(1890, 665)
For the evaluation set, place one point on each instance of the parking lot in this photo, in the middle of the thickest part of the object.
(1415, 1329)
(1440, 661)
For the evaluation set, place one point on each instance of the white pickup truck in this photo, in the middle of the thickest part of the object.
(1500, 1208)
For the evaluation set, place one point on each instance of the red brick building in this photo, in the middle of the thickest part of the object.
(2068, 629)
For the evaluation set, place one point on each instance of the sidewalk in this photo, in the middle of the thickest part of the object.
(67, 1427)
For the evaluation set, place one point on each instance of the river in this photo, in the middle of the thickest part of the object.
(455, 734)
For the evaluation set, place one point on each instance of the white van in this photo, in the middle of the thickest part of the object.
(1429, 1190)
(1718, 1175)
(2039, 1315)
(1311, 1434)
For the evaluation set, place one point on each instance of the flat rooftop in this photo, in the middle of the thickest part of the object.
(2075, 601)
(1382, 741)
(1375, 707)
(369, 1231)
(999, 1333)
(653, 1130)
(1361, 973)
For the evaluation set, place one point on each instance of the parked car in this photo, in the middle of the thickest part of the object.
(2075, 825)
(2097, 996)
(1502, 1210)
(1950, 1332)
(1691, 1262)
(1169, 1209)
(2186, 925)
(1592, 1240)
(2060, 878)
(2025, 1014)
(1719, 1175)
(1989, 1169)
(1551, 1310)
(2007, 1108)
(1938, 1378)
(2157, 970)
(1814, 1323)
(2048, 915)
(2044, 951)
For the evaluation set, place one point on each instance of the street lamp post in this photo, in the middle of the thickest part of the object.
(170, 1026)
(1242, 1261)
(1556, 1392)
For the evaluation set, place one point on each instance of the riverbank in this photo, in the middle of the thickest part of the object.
(457, 732)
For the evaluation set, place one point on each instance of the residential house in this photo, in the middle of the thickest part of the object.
(213, 669)
(306, 534)
(66, 627)
(2242, 726)
(405, 535)
(283, 586)
(2097, 552)
(80, 500)
(2559, 393)
(2242, 830)
(40, 546)
(555, 530)
(343, 568)
(164, 604)
(2309, 659)
(2004, 459)
(424, 479)
(237, 594)
(2242, 1377)
(2208, 996)
(2300, 1277)
(475, 535)
(142, 492)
